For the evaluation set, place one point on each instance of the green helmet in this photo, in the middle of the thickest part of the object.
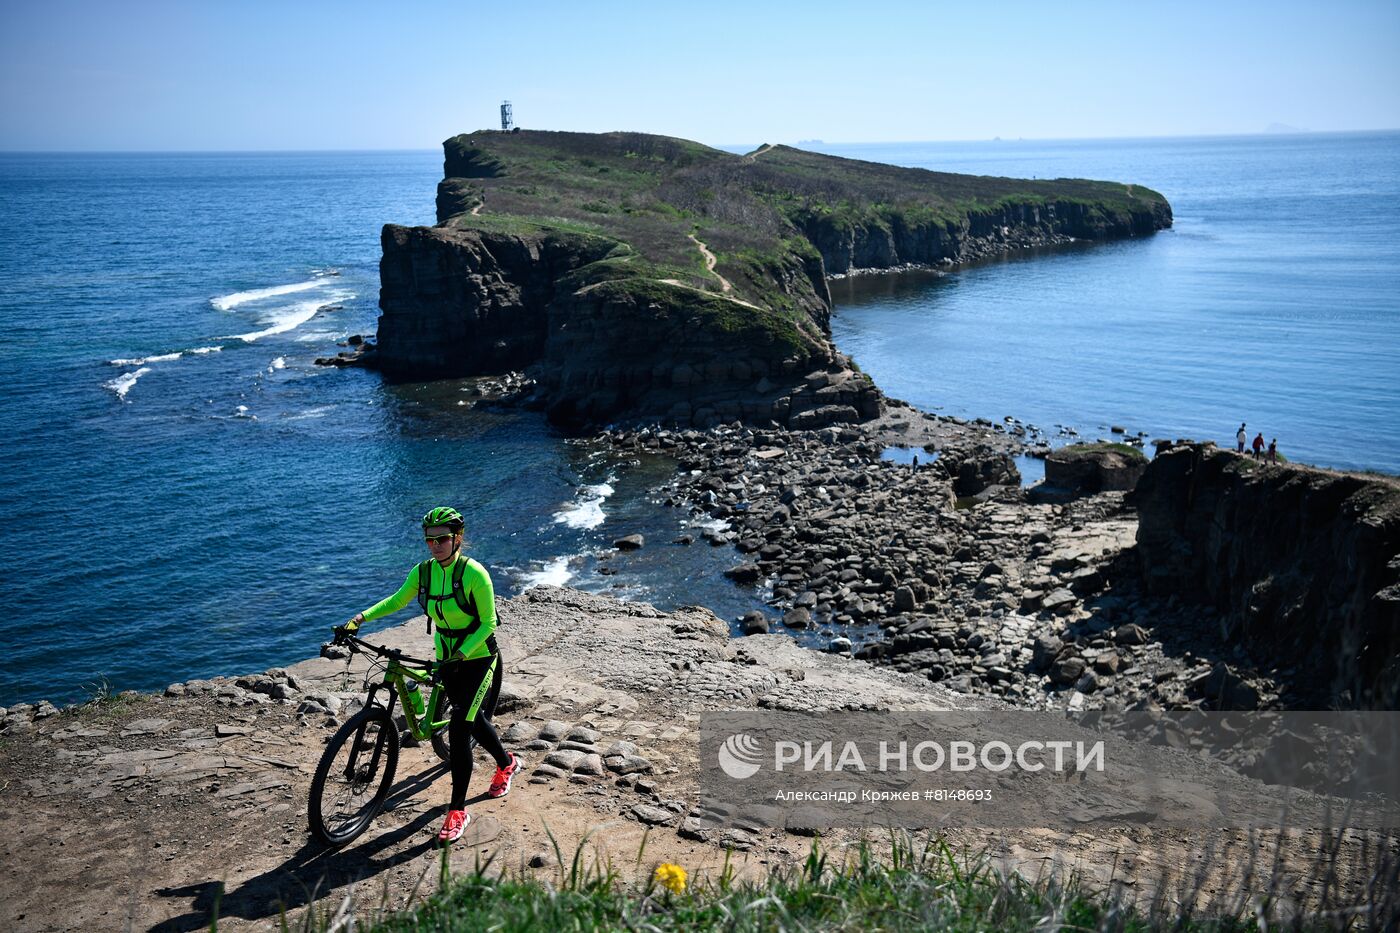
(444, 515)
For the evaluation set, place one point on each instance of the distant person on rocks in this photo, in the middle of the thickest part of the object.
(1240, 438)
(914, 463)
(1259, 445)
(1273, 451)
(457, 595)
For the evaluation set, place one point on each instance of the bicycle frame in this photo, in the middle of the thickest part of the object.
(397, 673)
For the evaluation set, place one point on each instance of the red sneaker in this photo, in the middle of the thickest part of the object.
(453, 826)
(500, 784)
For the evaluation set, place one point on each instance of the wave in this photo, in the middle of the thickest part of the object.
(718, 525)
(289, 318)
(318, 411)
(554, 572)
(229, 302)
(279, 363)
(203, 350)
(588, 512)
(123, 383)
(143, 360)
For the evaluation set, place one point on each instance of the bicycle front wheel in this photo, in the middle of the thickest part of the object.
(354, 776)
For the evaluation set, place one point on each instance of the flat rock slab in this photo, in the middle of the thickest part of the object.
(224, 731)
(145, 726)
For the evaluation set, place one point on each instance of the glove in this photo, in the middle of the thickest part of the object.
(342, 632)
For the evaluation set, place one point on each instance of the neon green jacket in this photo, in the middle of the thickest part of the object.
(443, 609)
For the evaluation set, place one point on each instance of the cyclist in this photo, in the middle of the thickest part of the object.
(461, 605)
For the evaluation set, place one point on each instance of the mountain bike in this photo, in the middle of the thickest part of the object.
(357, 768)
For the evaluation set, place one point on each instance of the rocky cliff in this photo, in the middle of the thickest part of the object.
(647, 276)
(1304, 564)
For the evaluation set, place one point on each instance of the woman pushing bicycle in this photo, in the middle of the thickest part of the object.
(455, 591)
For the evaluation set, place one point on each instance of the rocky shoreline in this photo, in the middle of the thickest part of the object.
(950, 570)
(945, 586)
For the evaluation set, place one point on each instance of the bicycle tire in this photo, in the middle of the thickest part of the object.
(343, 783)
(442, 745)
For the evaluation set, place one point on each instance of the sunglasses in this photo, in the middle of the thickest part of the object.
(437, 539)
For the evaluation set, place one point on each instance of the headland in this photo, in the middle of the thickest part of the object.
(640, 276)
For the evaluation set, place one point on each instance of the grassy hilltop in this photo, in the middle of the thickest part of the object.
(757, 212)
(653, 276)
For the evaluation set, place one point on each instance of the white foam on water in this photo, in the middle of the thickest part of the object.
(123, 383)
(229, 302)
(554, 572)
(588, 511)
(143, 360)
(279, 363)
(289, 318)
(317, 412)
(203, 350)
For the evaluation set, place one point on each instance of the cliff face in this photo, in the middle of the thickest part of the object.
(456, 303)
(1304, 564)
(467, 302)
(892, 239)
(646, 276)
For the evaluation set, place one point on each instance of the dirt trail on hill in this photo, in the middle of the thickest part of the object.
(710, 261)
(143, 812)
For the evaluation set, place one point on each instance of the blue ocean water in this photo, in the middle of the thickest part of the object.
(1274, 300)
(186, 494)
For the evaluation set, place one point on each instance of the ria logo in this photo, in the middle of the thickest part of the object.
(739, 756)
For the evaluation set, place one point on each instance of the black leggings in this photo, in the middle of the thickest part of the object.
(463, 682)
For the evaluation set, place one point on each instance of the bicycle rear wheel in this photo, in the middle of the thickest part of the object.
(442, 746)
(354, 776)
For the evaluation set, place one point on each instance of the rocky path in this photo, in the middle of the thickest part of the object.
(143, 812)
(138, 811)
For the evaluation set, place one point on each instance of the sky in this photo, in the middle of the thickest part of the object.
(251, 75)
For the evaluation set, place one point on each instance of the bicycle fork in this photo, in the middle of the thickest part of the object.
(358, 747)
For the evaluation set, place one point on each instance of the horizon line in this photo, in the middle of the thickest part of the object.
(823, 142)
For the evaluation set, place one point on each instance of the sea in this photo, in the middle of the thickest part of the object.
(187, 494)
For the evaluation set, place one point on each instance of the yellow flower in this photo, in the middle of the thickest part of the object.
(671, 877)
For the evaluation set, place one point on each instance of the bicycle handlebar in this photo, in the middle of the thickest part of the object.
(356, 643)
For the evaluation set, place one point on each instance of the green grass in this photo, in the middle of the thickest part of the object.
(1127, 450)
(758, 216)
(906, 886)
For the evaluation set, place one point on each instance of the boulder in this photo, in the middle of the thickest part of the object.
(1223, 689)
(1059, 601)
(976, 470)
(1046, 649)
(1092, 468)
(1068, 670)
(745, 574)
(797, 618)
(754, 623)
